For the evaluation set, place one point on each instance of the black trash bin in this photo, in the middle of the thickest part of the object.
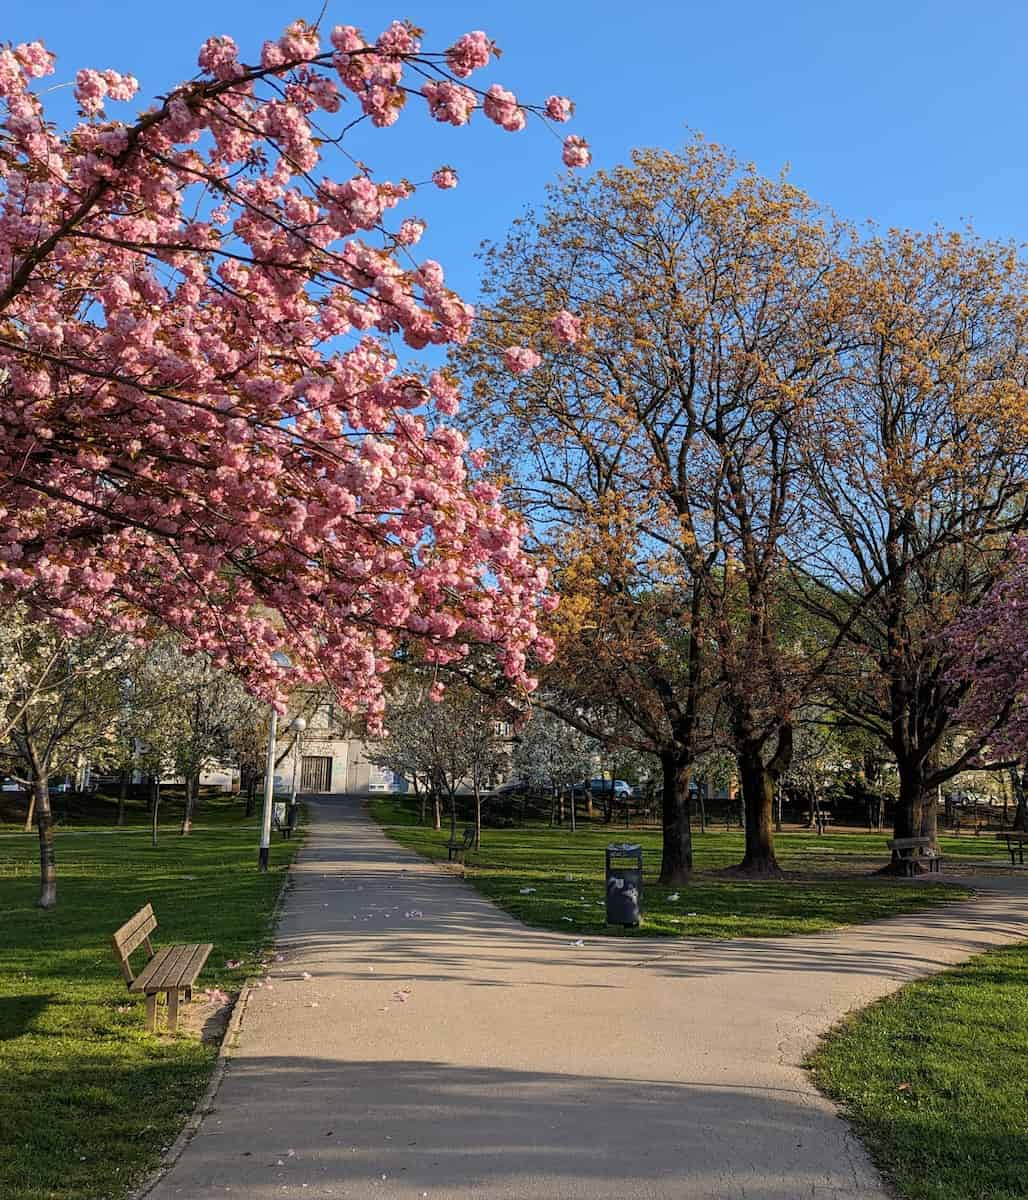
(293, 819)
(624, 883)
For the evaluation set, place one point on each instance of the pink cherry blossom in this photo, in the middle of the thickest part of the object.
(469, 53)
(502, 107)
(520, 360)
(445, 177)
(450, 102)
(567, 327)
(576, 151)
(559, 108)
(410, 232)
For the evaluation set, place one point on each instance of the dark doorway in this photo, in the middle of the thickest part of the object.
(316, 774)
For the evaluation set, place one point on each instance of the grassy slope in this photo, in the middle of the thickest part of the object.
(936, 1080)
(567, 873)
(87, 1098)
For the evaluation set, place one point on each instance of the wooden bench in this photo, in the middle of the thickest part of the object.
(457, 850)
(907, 850)
(1015, 840)
(171, 970)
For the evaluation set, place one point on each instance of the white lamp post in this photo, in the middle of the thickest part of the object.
(269, 776)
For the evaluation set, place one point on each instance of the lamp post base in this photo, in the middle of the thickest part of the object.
(262, 859)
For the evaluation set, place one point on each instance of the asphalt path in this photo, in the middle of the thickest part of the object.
(417, 1042)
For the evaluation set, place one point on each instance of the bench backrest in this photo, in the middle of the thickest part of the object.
(133, 934)
(908, 843)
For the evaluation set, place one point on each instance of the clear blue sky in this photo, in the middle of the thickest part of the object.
(908, 112)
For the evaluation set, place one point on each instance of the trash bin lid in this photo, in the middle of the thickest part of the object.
(624, 848)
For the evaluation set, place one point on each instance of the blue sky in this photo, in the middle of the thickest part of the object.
(905, 112)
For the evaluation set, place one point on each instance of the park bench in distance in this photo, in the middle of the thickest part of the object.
(907, 849)
(171, 970)
(1015, 840)
(455, 849)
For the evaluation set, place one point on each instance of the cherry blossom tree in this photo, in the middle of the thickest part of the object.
(204, 422)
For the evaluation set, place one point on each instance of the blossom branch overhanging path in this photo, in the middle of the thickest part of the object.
(181, 438)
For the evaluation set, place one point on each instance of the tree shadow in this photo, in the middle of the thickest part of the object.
(18, 1013)
(399, 1129)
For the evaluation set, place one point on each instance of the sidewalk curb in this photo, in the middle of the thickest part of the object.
(205, 1105)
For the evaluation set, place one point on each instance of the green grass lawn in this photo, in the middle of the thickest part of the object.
(87, 1098)
(827, 883)
(936, 1081)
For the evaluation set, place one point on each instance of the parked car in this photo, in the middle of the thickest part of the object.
(601, 787)
(513, 787)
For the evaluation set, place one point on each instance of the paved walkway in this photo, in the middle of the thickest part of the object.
(439, 1049)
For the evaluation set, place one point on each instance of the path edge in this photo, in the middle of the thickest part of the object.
(205, 1105)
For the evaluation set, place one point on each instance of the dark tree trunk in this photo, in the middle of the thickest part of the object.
(478, 816)
(1019, 782)
(123, 786)
(930, 816)
(45, 825)
(251, 792)
(907, 820)
(758, 792)
(909, 815)
(192, 787)
(155, 805)
(676, 843)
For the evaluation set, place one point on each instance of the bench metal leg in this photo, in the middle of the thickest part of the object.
(172, 1010)
(189, 995)
(151, 1011)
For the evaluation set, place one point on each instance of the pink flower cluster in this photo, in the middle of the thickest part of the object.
(559, 108)
(445, 177)
(502, 107)
(469, 53)
(576, 151)
(567, 327)
(451, 103)
(93, 87)
(519, 360)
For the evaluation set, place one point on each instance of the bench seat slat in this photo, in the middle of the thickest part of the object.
(193, 965)
(164, 967)
(167, 977)
(157, 963)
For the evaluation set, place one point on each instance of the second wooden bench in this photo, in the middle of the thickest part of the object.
(171, 970)
(1016, 840)
(906, 849)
